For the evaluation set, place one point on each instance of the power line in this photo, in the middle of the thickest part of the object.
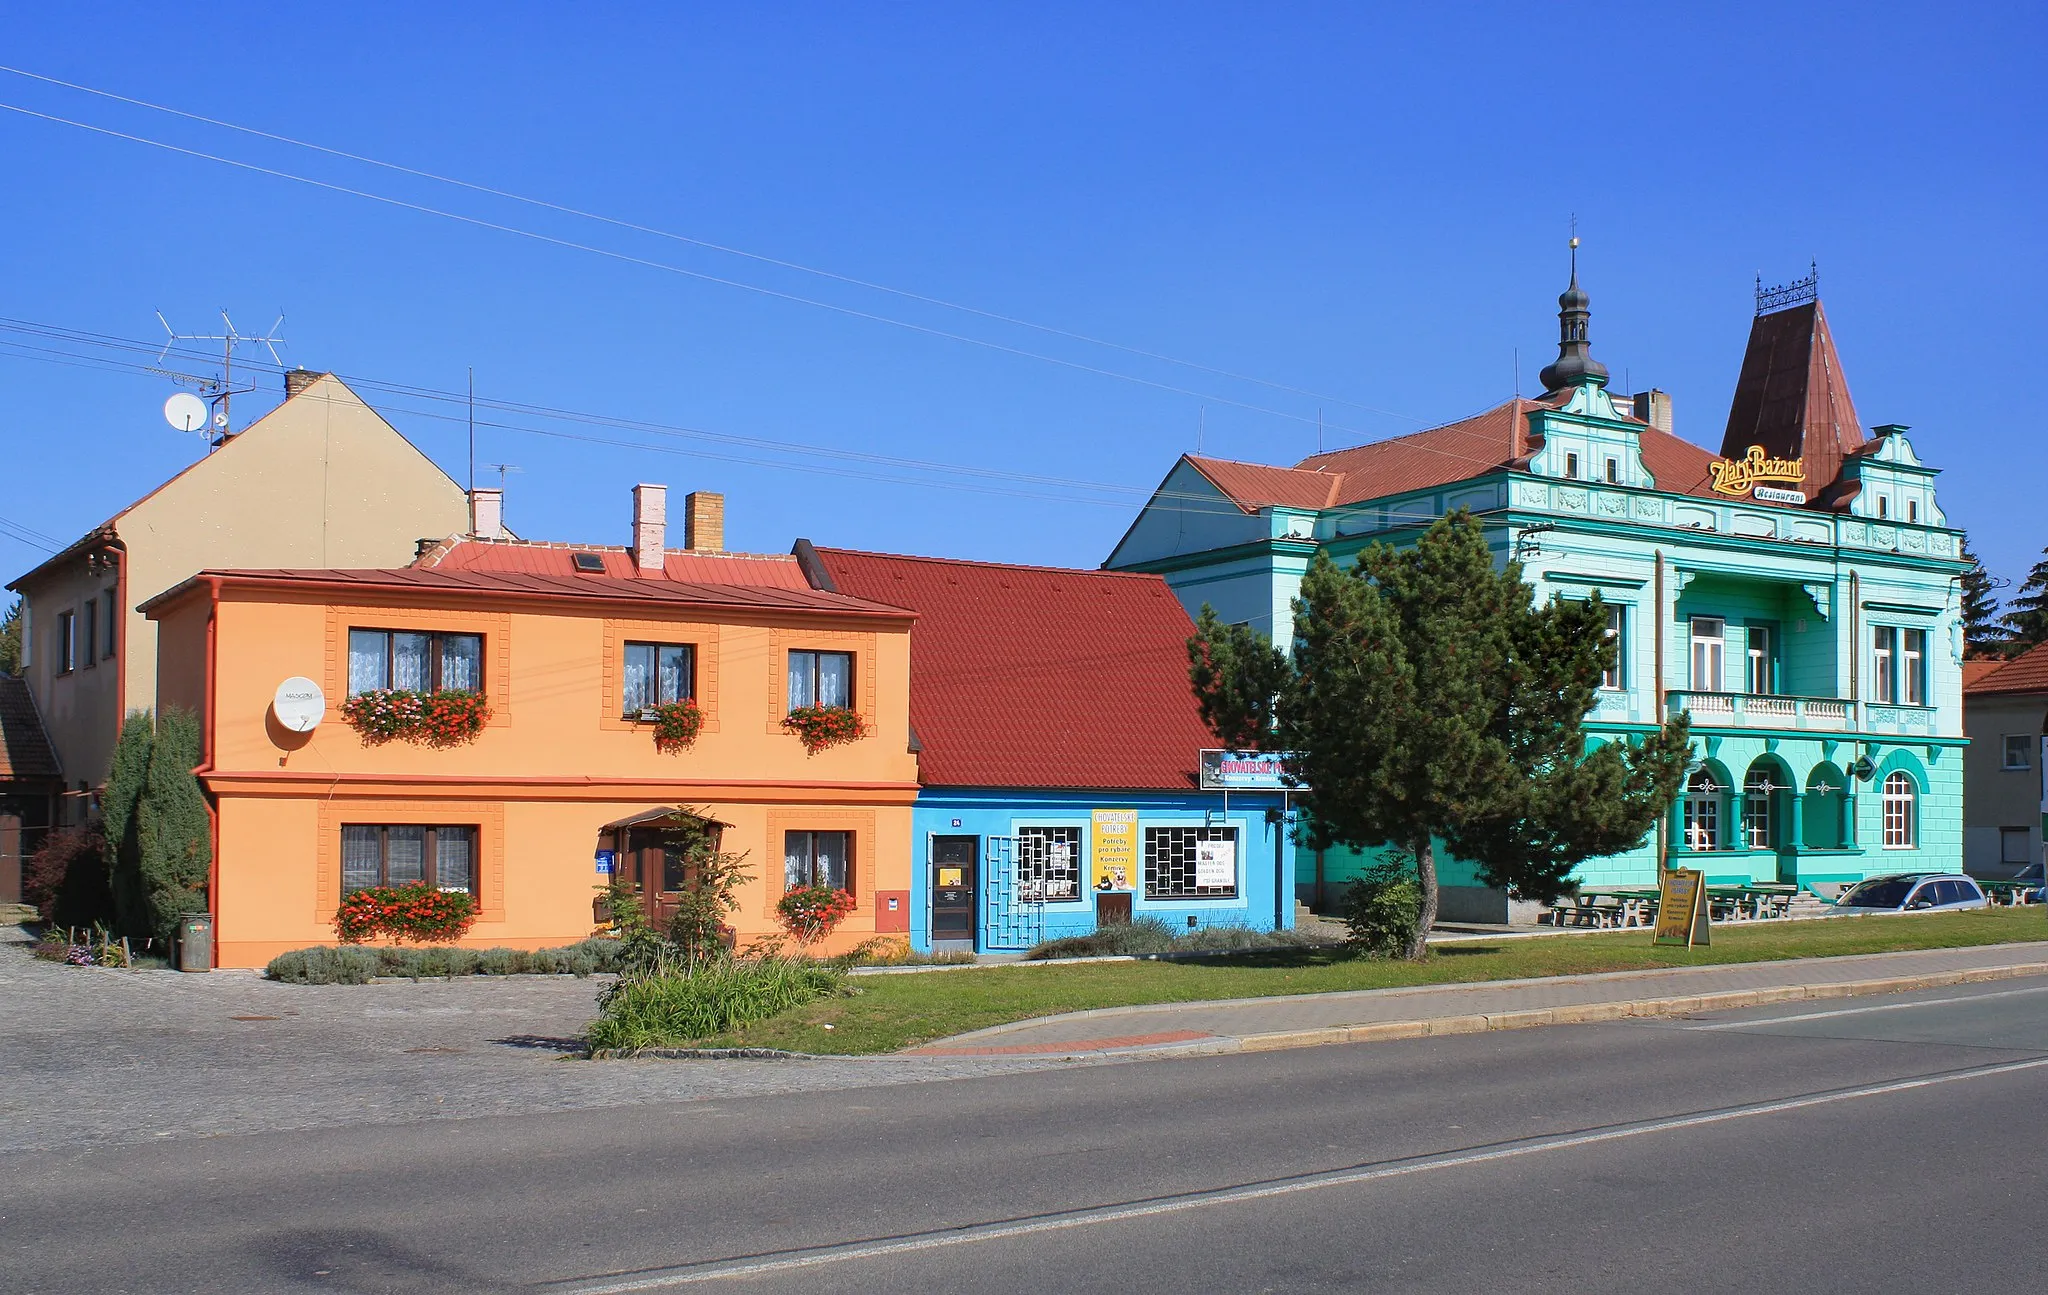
(649, 263)
(697, 242)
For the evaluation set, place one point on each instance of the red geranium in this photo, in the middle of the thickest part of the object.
(415, 911)
(823, 726)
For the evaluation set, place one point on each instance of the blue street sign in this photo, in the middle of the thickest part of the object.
(604, 861)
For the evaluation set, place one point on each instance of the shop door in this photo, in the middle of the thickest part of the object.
(953, 887)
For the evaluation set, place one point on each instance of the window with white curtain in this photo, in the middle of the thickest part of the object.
(657, 674)
(414, 660)
(404, 854)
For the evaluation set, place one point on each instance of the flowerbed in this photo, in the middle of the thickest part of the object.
(446, 718)
(416, 912)
(823, 726)
(676, 725)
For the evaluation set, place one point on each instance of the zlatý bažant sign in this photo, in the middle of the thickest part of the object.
(1746, 477)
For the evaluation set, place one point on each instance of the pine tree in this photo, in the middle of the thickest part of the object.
(1237, 677)
(2026, 614)
(153, 813)
(126, 774)
(10, 640)
(1429, 698)
(1982, 634)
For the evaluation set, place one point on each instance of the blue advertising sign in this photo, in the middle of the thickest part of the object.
(604, 862)
(1245, 771)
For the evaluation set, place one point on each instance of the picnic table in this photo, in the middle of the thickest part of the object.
(2010, 893)
(1608, 906)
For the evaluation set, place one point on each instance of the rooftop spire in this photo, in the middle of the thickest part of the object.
(1575, 364)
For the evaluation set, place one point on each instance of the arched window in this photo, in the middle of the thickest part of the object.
(1702, 812)
(1898, 809)
(1760, 810)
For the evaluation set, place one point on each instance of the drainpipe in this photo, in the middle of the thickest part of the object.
(1280, 865)
(206, 739)
(1663, 820)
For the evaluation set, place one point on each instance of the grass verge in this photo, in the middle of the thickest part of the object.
(888, 1013)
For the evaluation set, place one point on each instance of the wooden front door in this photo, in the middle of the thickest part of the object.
(953, 887)
(658, 873)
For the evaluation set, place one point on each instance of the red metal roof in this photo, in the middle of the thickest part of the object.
(2027, 672)
(534, 557)
(427, 584)
(1792, 397)
(1039, 676)
(25, 751)
(1489, 441)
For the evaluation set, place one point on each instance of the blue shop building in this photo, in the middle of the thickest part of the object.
(1061, 756)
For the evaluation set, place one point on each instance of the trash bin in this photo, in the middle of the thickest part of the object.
(195, 942)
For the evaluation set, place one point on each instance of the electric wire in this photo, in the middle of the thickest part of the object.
(649, 263)
(698, 242)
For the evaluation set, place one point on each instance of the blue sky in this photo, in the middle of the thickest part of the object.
(1367, 204)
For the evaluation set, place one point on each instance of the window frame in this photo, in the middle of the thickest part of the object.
(1912, 667)
(1616, 679)
(1884, 664)
(1764, 633)
(1151, 872)
(113, 627)
(429, 856)
(2026, 840)
(813, 833)
(1900, 810)
(2022, 743)
(817, 657)
(1759, 812)
(1701, 807)
(1068, 833)
(1571, 465)
(1695, 641)
(89, 633)
(689, 682)
(436, 655)
(67, 641)
(1613, 471)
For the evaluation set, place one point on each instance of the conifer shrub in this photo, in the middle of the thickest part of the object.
(1383, 907)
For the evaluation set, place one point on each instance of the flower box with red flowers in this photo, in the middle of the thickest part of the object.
(450, 717)
(813, 912)
(676, 724)
(414, 911)
(823, 726)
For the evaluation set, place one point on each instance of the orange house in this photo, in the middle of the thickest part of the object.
(565, 776)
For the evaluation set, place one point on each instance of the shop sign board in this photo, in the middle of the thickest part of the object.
(1216, 863)
(1682, 908)
(1749, 476)
(1245, 771)
(1113, 844)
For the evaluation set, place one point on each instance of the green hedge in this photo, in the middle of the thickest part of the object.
(357, 964)
(672, 1011)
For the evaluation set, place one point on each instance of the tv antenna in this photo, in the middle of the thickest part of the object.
(218, 393)
(501, 469)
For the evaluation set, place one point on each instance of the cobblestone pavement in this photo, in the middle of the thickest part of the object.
(91, 1056)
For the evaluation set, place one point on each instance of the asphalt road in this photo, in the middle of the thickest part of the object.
(1865, 1145)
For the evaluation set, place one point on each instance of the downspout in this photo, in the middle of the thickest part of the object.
(1664, 819)
(1280, 866)
(206, 713)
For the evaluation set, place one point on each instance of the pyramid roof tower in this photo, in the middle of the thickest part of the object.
(1792, 398)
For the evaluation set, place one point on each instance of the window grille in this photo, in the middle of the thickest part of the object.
(1703, 813)
(1048, 861)
(1170, 862)
(1898, 810)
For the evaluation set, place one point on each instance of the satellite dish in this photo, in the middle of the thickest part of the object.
(185, 411)
(299, 704)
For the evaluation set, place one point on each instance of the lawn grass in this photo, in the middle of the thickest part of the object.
(887, 1013)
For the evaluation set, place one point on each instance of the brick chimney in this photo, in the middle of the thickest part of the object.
(487, 513)
(650, 527)
(1654, 407)
(704, 522)
(297, 380)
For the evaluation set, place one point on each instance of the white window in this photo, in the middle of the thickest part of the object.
(1898, 810)
(1616, 676)
(1884, 674)
(820, 679)
(1913, 667)
(2018, 750)
(414, 660)
(1702, 813)
(1191, 863)
(2015, 846)
(1709, 643)
(658, 674)
(817, 859)
(1759, 810)
(1762, 660)
(1048, 864)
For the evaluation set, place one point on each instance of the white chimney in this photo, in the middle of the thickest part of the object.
(650, 527)
(487, 513)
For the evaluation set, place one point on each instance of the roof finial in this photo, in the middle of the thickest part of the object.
(1575, 364)
(1575, 249)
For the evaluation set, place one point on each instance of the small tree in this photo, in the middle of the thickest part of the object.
(119, 799)
(2026, 614)
(1429, 698)
(159, 842)
(711, 883)
(1982, 634)
(10, 640)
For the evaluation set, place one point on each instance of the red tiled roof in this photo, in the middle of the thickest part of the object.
(25, 751)
(535, 557)
(1489, 441)
(414, 582)
(1039, 676)
(2027, 672)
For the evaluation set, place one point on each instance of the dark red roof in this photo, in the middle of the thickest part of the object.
(537, 557)
(426, 584)
(1039, 676)
(1490, 441)
(25, 751)
(2027, 672)
(1792, 397)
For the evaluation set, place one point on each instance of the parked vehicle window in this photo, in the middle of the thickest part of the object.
(1179, 859)
(395, 855)
(414, 660)
(1878, 892)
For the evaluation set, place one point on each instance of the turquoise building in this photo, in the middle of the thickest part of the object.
(1797, 594)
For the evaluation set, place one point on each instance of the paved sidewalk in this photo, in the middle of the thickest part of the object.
(1257, 1024)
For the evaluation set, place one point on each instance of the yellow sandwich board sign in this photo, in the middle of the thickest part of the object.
(1682, 908)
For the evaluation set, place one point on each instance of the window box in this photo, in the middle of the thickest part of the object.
(825, 726)
(451, 717)
(676, 724)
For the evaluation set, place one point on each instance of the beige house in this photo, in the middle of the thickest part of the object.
(320, 481)
(2005, 713)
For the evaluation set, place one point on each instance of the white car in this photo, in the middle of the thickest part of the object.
(1912, 892)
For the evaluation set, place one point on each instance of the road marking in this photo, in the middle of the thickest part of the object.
(788, 1261)
(1856, 1011)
